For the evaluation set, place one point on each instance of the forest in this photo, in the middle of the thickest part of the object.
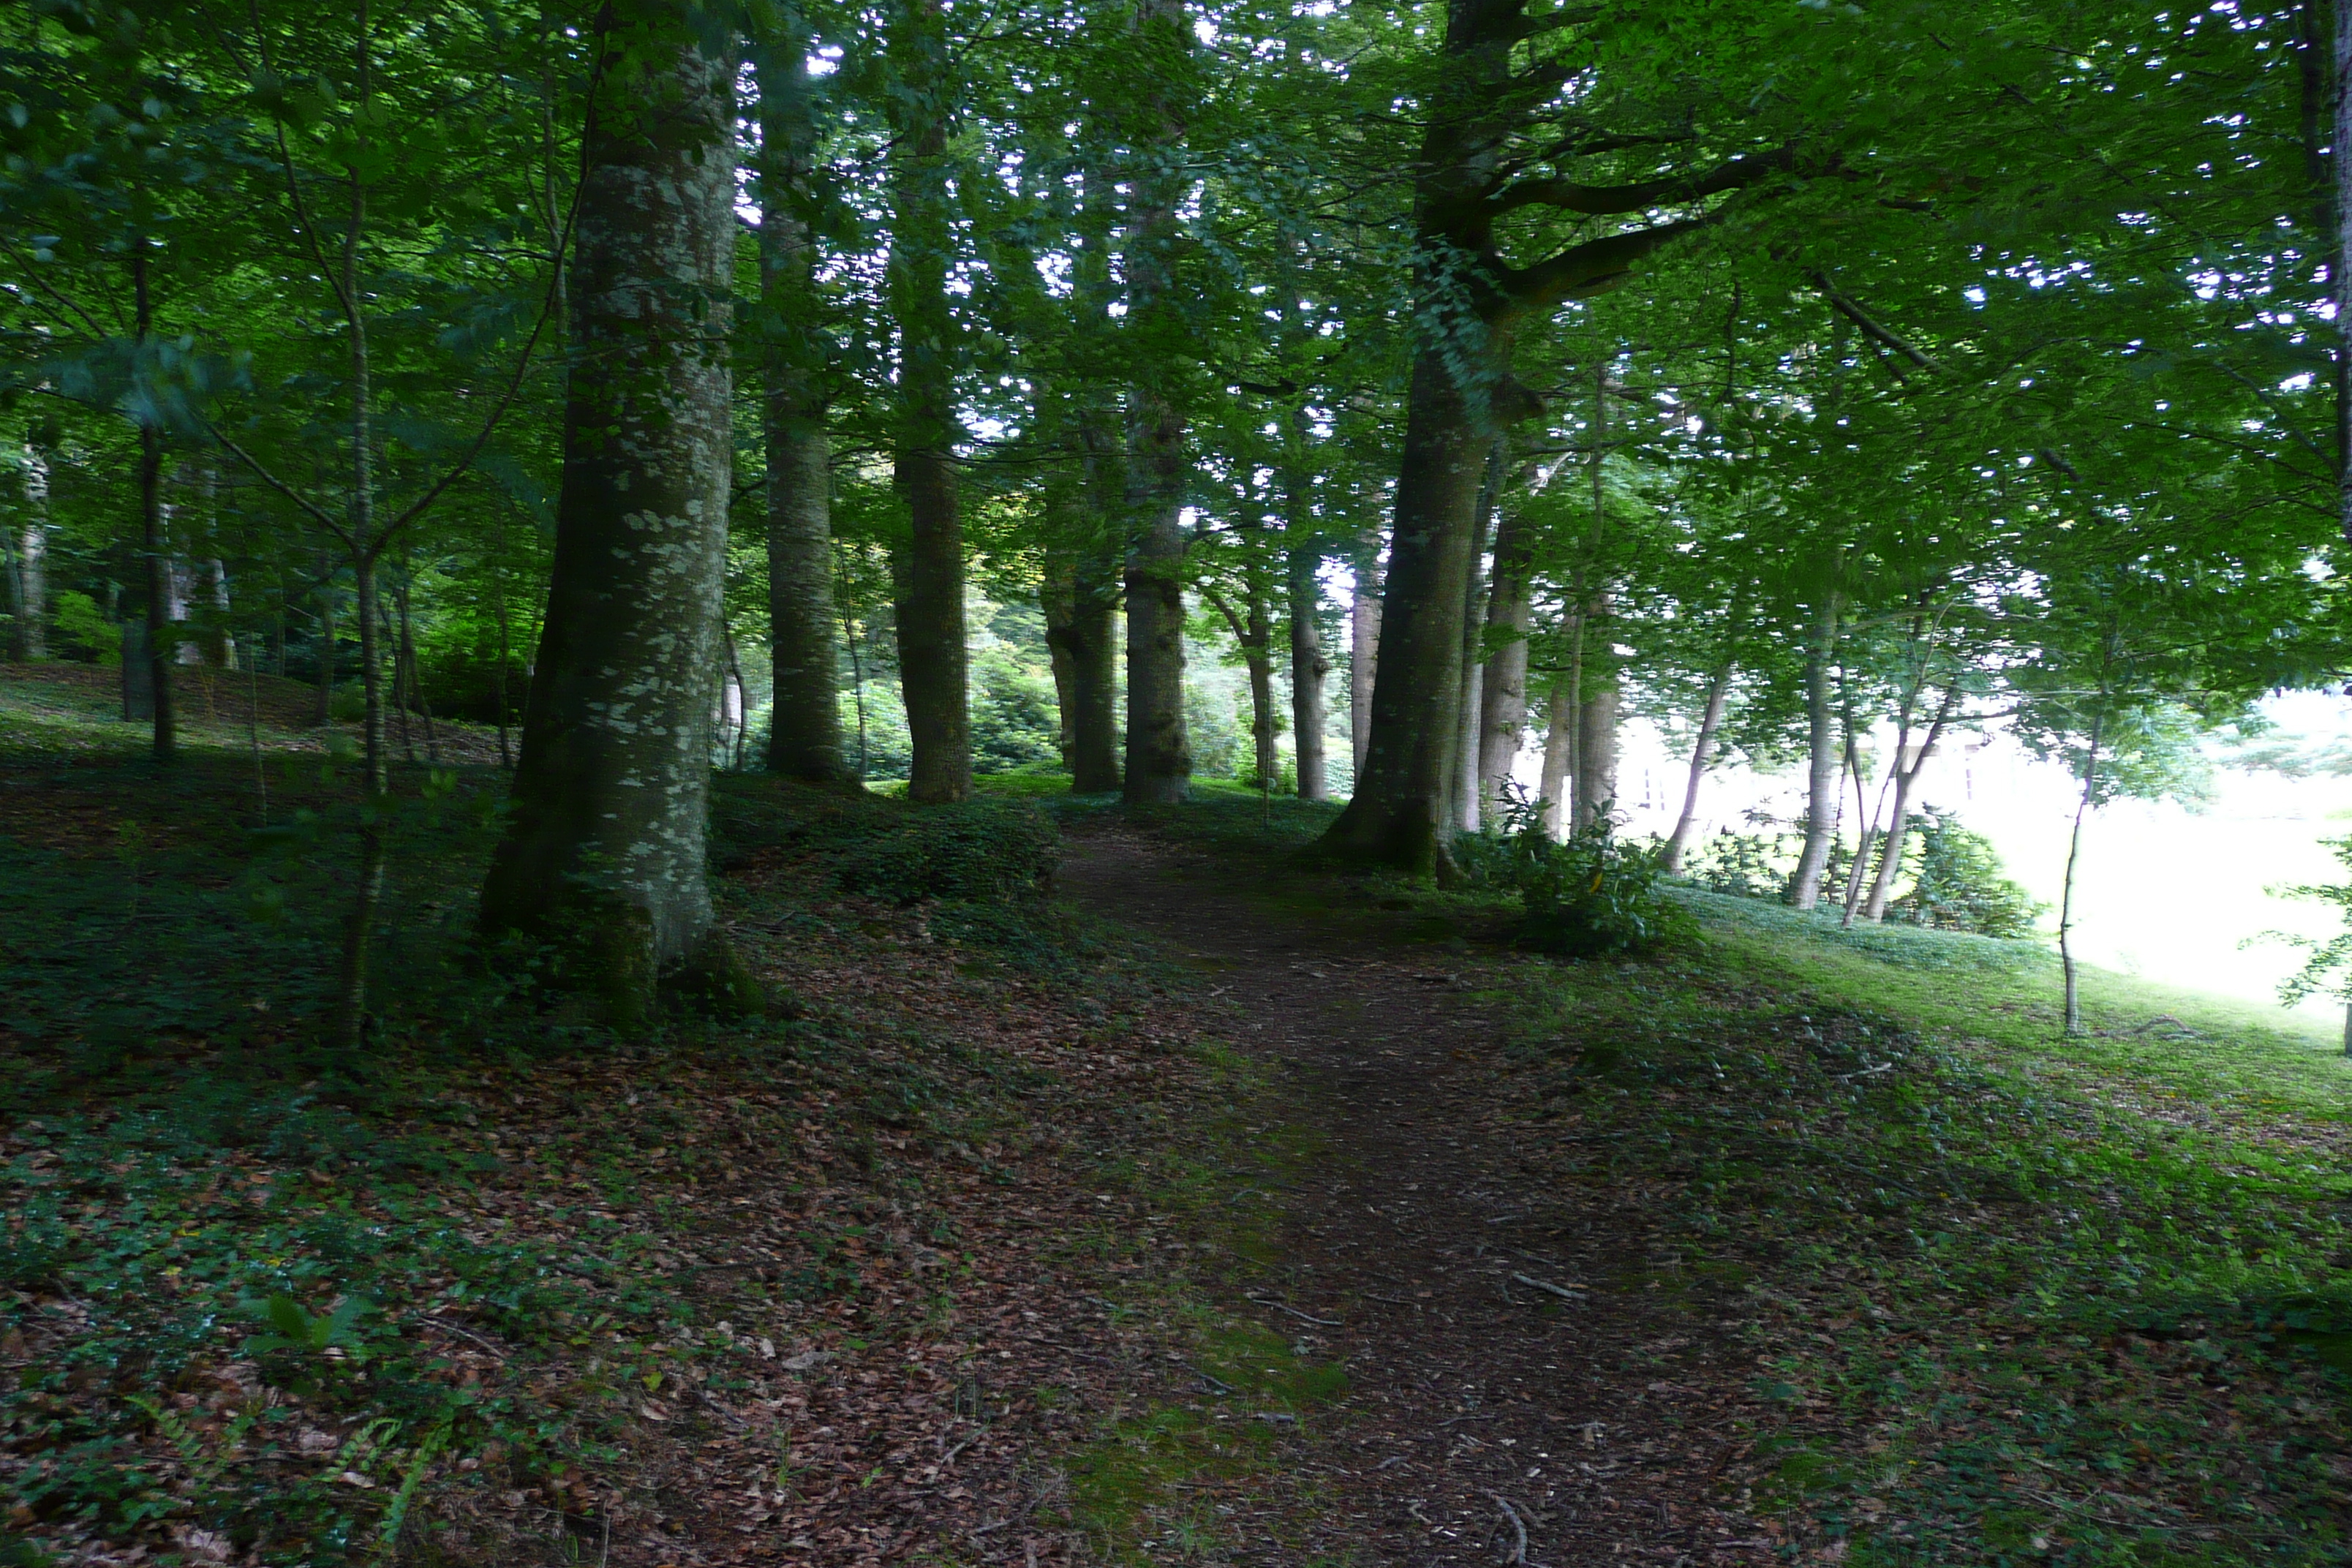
(797, 782)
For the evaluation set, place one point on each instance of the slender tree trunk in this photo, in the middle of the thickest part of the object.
(1822, 791)
(1559, 758)
(604, 850)
(1302, 562)
(1364, 646)
(1719, 687)
(325, 711)
(1899, 822)
(160, 642)
(1866, 826)
(506, 651)
(1503, 689)
(927, 571)
(403, 665)
(804, 725)
(2073, 1004)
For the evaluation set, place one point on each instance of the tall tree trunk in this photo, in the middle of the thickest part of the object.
(161, 642)
(1503, 689)
(1364, 645)
(29, 637)
(404, 664)
(1252, 630)
(1301, 563)
(324, 712)
(1718, 688)
(1462, 774)
(506, 650)
(804, 710)
(1080, 599)
(1559, 758)
(1821, 790)
(927, 571)
(604, 848)
(1596, 742)
(1402, 791)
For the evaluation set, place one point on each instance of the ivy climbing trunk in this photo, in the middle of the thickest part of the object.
(804, 729)
(603, 854)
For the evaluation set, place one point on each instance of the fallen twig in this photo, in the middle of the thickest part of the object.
(1565, 1292)
(1518, 1527)
(1302, 1317)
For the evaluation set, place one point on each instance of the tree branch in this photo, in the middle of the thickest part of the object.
(1604, 201)
(1870, 329)
(1592, 267)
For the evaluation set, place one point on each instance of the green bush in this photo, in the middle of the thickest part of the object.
(1594, 894)
(984, 851)
(1960, 884)
(1744, 865)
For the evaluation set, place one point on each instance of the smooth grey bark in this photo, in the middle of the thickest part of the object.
(1398, 810)
(927, 570)
(1080, 598)
(1596, 743)
(160, 640)
(1718, 688)
(1821, 787)
(1461, 775)
(604, 850)
(1302, 564)
(28, 577)
(1559, 758)
(1503, 687)
(1899, 821)
(1159, 749)
(1364, 645)
(804, 732)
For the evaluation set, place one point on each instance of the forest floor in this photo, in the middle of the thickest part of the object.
(1225, 1211)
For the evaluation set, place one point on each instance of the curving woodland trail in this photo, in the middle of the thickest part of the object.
(1521, 1389)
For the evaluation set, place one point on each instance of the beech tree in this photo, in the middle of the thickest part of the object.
(605, 847)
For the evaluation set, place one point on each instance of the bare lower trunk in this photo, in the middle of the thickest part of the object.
(1906, 775)
(1158, 750)
(2073, 1001)
(1596, 744)
(1364, 647)
(603, 854)
(1559, 758)
(506, 651)
(1307, 665)
(1260, 649)
(1502, 688)
(325, 711)
(1462, 772)
(1080, 601)
(1396, 814)
(160, 640)
(1822, 792)
(804, 710)
(1702, 754)
(28, 577)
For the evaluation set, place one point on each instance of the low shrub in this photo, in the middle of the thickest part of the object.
(1960, 884)
(1744, 865)
(983, 852)
(1595, 894)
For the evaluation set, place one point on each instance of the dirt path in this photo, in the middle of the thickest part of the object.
(1420, 1251)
